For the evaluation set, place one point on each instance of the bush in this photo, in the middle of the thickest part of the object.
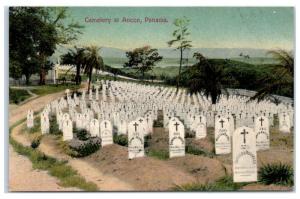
(36, 142)
(53, 129)
(82, 148)
(81, 134)
(17, 95)
(147, 140)
(277, 173)
(223, 184)
(121, 140)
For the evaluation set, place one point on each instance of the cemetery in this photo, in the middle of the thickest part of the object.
(155, 139)
(193, 99)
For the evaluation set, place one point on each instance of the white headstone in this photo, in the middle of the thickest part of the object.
(106, 133)
(244, 155)
(67, 130)
(30, 119)
(94, 128)
(135, 140)
(262, 133)
(222, 136)
(176, 138)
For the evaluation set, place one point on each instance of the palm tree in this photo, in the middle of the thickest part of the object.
(92, 61)
(208, 78)
(281, 80)
(76, 58)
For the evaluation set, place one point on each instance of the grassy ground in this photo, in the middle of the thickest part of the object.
(48, 89)
(17, 95)
(67, 175)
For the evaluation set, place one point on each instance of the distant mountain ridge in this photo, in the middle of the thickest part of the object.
(171, 53)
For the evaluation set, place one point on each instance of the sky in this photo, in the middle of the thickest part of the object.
(210, 27)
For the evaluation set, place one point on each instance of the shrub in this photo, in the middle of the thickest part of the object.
(81, 134)
(147, 140)
(223, 184)
(121, 140)
(35, 142)
(276, 173)
(53, 128)
(82, 148)
(17, 95)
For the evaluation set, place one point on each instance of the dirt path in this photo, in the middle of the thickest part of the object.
(48, 146)
(18, 113)
(23, 178)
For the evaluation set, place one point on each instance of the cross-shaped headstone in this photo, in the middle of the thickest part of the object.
(105, 124)
(176, 125)
(135, 125)
(244, 134)
(222, 121)
(261, 121)
(140, 120)
(200, 118)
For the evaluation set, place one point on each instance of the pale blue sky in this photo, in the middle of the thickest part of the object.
(211, 27)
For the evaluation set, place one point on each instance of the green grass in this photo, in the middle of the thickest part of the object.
(68, 177)
(18, 95)
(159, 154)
(196, 151)
(48, 89)
(276, 173)
(223, 184)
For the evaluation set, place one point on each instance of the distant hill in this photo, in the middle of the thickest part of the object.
(108, 52)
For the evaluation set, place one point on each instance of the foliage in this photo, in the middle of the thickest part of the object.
(75, 57)
(81, 148)
(34, 33)
(142, 59)
(92, 61)
(180, 37)
(121, 140)
(223, 184)
(36, 141)
(160, 154)
(54, 128)
(147, 139)
(196, 151)
(208, 78)
(281, 78)
(48, 89)
(276, 173)
(81, 134)
(17, 95)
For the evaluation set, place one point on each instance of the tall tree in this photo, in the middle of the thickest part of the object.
(93, 61)
(207, 78)
(143, 59)
(75, 57)
(25, 40)
(65, 32)
(180, 35)
(281, 80)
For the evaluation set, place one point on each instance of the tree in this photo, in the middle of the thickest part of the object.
(92, 61)
(25, 28)
(75, 57)
(180, 38)
(281, 80)
(207, 78)
(64, 32)
(34, 33)
(142, 59)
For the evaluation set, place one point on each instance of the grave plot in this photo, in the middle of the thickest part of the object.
(155, 138)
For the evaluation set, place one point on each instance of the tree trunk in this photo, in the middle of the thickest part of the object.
(90, 79)
(27, 77)
(43, 72)
(77, 78)
(179, 72)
